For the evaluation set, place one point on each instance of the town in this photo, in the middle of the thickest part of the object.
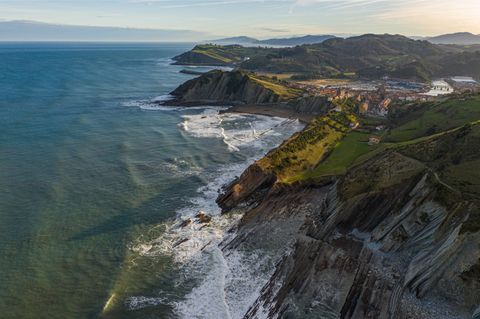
(376, 97)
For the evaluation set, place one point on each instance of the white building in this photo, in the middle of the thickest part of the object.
(463, 80)
(440, 87)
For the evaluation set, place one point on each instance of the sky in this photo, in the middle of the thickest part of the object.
(257, 18)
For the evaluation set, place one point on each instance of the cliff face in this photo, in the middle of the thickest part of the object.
(249, 188)
(393, 238)
(225, 87)
(315, 105)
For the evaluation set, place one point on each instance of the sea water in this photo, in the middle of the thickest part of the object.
(96, 178)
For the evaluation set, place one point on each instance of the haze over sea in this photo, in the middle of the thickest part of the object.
(93, 174)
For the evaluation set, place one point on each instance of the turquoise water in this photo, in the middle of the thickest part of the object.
(90, 169)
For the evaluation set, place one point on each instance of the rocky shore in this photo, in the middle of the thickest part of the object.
(389, 238)
(383, 241)
(245, 94)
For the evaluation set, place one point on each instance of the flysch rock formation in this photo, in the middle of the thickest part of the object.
(386, 240)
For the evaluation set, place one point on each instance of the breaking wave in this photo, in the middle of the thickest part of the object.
(236, 130)
(224, 285)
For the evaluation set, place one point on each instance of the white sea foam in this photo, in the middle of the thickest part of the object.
(163, 98)
(139, 302)
(153, 104)
(226, 285)
(236, 130)
(180, 167)
(149, 105)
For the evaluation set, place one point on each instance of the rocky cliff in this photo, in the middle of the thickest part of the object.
(314, 105)
(397, 236)
(232, 88)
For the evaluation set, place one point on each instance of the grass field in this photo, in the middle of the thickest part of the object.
(214, 55)
(326, 82)
(327, 146)
(280, 76)
(285, 92)
(354, 145)
(440, 117)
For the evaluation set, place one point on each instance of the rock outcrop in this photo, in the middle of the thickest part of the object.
(314, 105)
(248, 188)
(225, 88)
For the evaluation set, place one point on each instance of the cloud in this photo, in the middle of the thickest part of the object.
(169, 4)
(275, 30)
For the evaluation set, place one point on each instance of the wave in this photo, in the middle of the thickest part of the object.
(236, 130)
(222, 285)
(162, 98)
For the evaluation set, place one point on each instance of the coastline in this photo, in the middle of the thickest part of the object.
(314, 231)
(197, 247)
(271, 110)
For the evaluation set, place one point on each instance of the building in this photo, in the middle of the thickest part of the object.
(464, 83)
(463, 80)
(374, 140)
(383, 107)
(355, 125)
(440, 88)
(363, 108)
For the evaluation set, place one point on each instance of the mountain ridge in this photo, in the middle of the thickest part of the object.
(458, 38)
(289, 41)
(371, 56)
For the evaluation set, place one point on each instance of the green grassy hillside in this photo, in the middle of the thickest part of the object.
(429, 118)
(299, 155)
(211, 54)
(329, 147)
(278, 87)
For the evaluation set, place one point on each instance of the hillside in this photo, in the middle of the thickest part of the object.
(423, 119)
(460, 38)
(368, 56)
(217, 55)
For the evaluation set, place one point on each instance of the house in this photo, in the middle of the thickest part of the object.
(374, 140)
(463, 80)
(355, 125)
(363, 108)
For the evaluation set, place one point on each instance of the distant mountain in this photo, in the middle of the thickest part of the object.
(294, 41)
(460, 38)
(308, 39)
(38, 31)
(236, 40)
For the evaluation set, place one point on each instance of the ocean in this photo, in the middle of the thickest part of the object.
(95, 179)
